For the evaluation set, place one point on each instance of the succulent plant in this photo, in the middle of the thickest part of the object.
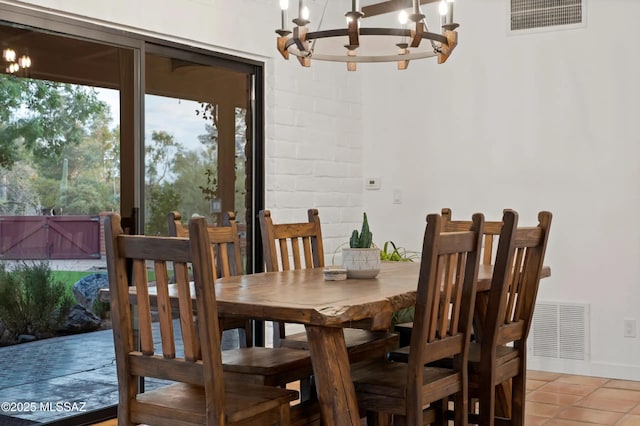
(363, 239)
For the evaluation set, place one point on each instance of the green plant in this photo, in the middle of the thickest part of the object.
(365, 238)
(31, 300)
(398, 254)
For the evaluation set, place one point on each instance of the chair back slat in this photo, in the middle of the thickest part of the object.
(140, 278)
(287, 243)
(164, 309)
(225, 242)
(490, 235)
(445, 294)
(515, 282)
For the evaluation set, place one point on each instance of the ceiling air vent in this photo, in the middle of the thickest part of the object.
(546, 14)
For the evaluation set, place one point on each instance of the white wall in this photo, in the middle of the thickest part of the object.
(540, 121)
(543, 121)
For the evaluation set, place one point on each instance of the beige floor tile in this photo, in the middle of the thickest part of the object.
(545, 376)
(534, 384)
(542, 410)
(583, 380)
(568, 388)
(562, 422)
(561, 399)
(609, 393)
(599, 403)
(629, 420)
(623, 384)
(588, 415)
(530, 420)
(635, 410)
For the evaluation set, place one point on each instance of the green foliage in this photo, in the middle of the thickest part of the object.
(161, 200)
(365, 238)
(47, 116)
(31, 300)
(209, 190)
(397, 254)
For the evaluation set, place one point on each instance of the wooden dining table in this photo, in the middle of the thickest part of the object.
(324, 308)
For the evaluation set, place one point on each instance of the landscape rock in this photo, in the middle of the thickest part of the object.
(87, 288)
(80, 320)
(25, 338)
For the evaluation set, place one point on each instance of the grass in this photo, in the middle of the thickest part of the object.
(69, 278)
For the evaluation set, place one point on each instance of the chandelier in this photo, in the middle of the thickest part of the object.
(15, 63)
(409, 40)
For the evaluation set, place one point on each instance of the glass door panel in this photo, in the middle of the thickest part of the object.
(197, 141)
(60, 171)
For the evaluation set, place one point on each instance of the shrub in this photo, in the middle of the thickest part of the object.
(31, 300)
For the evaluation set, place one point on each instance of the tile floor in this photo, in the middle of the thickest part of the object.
(555, 399)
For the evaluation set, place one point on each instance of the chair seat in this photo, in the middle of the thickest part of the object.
(361, 344)
(504, 354)
(268, 366)
(184, 404)
(376, 382)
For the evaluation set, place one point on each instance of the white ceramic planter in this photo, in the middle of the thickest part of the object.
(361, 262)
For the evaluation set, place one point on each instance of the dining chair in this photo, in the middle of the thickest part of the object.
(490, 237)
(267, 366)
(413, 392)
(289, 246)
(225, 242)
(188, 356)
(499, 357)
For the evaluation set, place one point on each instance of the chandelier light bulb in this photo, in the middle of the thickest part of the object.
(403, 17)
(284, 4)
(13, 67)
(304, 13)
(443, 8)
(24, 61)
(9, 55)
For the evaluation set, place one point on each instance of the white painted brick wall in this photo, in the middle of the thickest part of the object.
(314, 147)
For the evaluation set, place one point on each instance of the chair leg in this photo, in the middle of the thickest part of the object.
(518, 392)
(460, 409)
(486, 403)
(376, 418)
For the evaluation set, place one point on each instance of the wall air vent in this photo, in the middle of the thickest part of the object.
(546, 14)
(560, 330)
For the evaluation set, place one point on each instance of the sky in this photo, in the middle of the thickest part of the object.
(174, 116)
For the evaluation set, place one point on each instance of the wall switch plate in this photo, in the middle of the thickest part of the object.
(629, 328)
(372, 183)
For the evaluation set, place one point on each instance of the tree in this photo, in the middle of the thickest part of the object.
(46, 116)
(161, 198)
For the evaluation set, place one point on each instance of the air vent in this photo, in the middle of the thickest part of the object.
(546, 14)
(560, 330)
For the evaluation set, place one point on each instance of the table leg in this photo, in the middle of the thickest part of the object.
(336, 394)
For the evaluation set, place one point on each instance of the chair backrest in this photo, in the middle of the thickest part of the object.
(284, 242)
(445, 297)
(176, 359)
(515, 282)
(489, 238)
(225, 241)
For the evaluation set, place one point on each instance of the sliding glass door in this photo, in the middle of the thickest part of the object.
(101, 122)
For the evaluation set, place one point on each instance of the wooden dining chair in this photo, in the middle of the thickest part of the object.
(289, 246)
(490, 238)
(500, 356)
(225, 242)
(188, 356)
(414, 393)
(268, 366)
